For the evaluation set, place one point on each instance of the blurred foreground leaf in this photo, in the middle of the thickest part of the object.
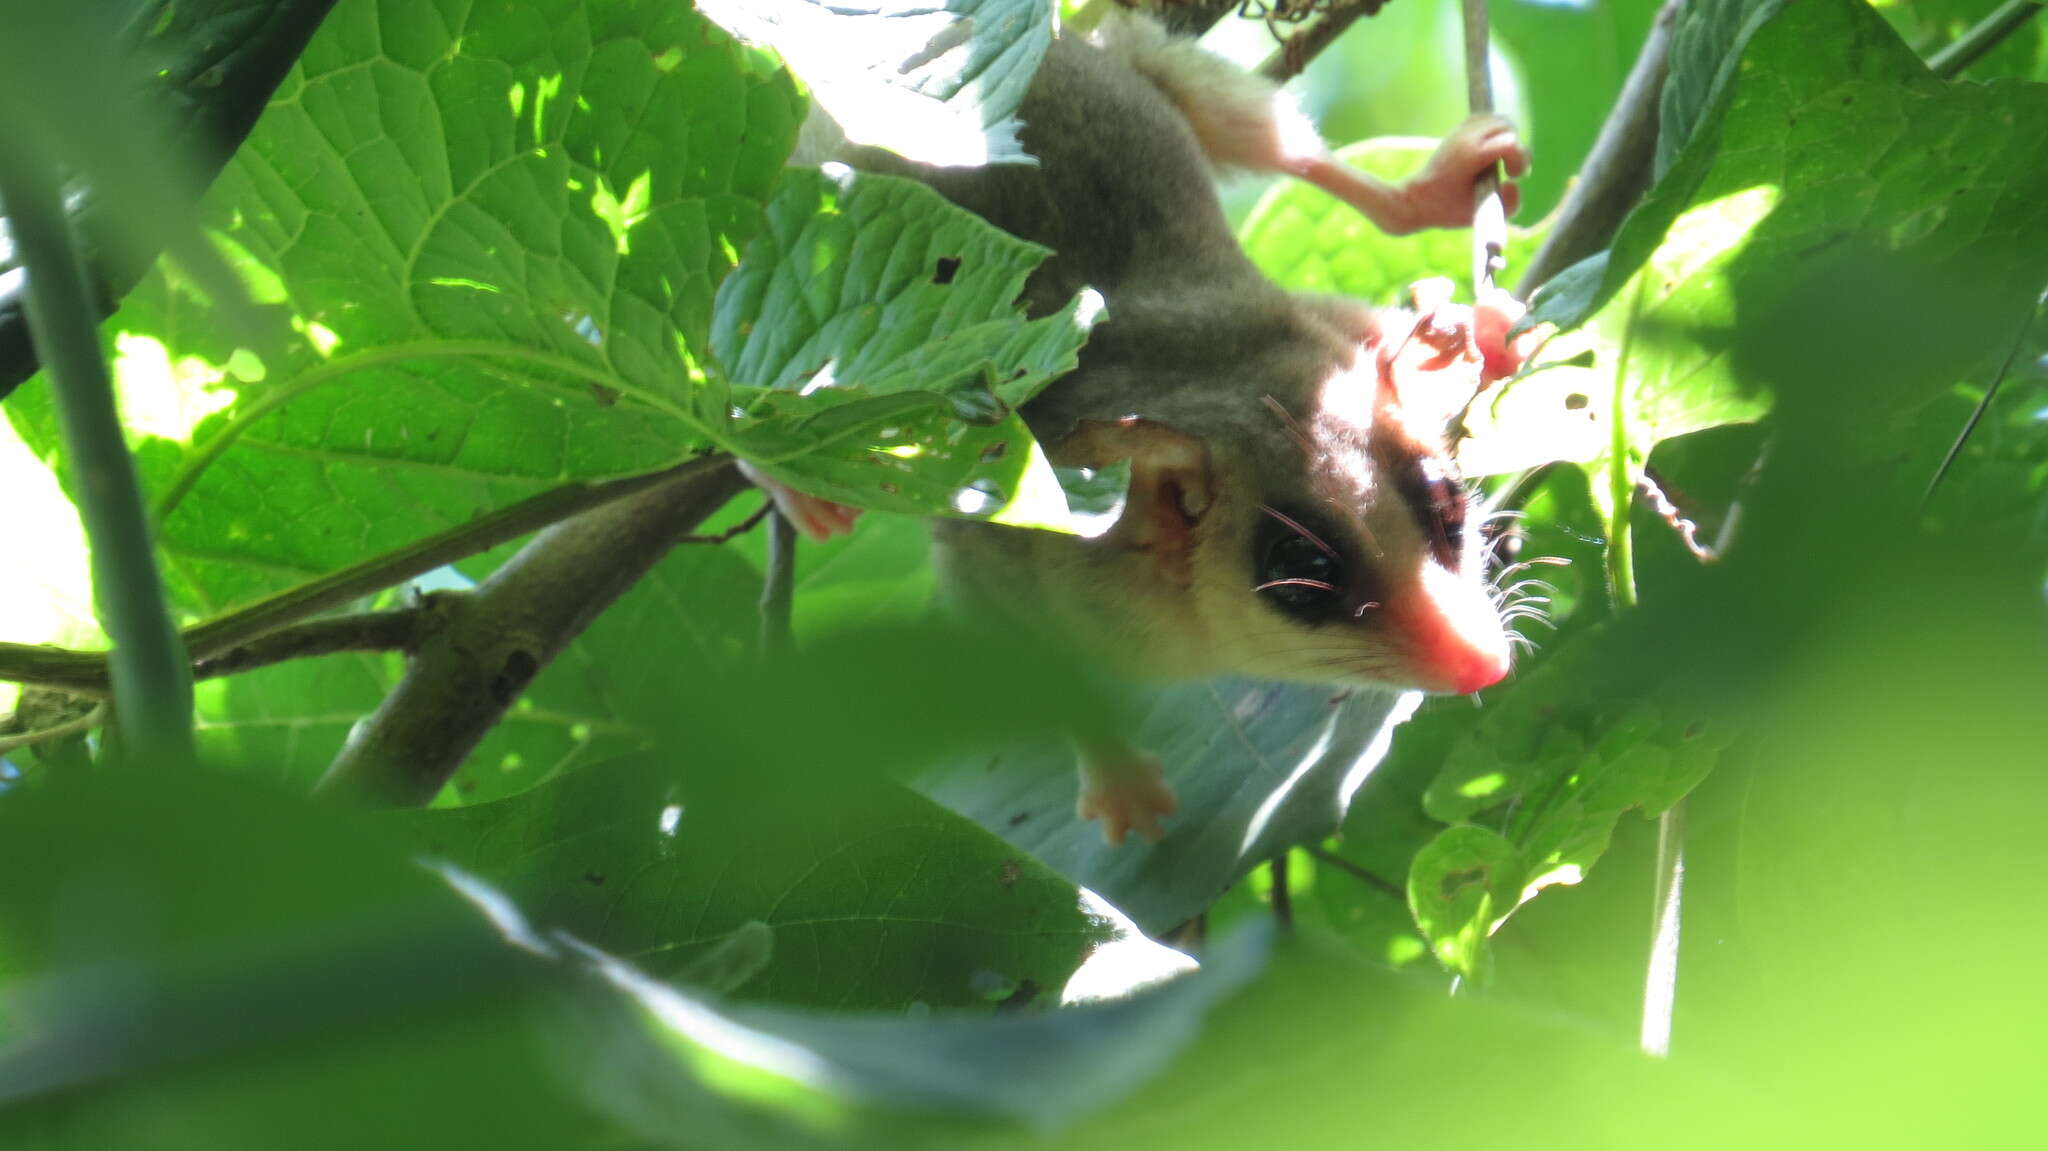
(869, 897)
(1257, 767)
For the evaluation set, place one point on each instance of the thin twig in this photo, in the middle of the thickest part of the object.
(1489, 213)
(1987, 34)
(148, 665)
(368, 631)
(778, 586)
(487, 646)
(1324, 855)
(1619, 167)
(83, 723)
(735, 531)
(1283, 899)
(1301, 48)
(1955, 449)
(85, 672)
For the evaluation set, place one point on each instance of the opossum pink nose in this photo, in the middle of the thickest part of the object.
(1453, 636)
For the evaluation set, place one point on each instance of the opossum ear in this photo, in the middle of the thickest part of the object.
(1170, 480)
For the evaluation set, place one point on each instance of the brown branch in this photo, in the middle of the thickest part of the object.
(367, 631)
(1619, 168)
(490, 643)
(1325, 855)
(85, 672)
(1302, 47)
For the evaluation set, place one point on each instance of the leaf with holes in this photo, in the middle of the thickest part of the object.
(1533, 790)
(481, 237)
(878, 354)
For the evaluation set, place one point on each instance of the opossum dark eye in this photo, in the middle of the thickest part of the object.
(1298, 572)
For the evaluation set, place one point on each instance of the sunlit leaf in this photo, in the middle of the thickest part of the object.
(878, 354)
(937, 83)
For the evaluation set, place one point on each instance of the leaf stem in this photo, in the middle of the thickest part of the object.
(1621, 486)
(1982, 37)
(151, 681)
(78, 725)
(778, 586)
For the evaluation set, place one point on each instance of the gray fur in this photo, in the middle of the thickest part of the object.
(1195, 340)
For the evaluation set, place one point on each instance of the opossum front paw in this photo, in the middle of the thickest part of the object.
(817, 519)
(1441, 195)
(1127, 791)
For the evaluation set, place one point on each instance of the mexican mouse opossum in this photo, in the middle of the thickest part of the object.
(1292, 512)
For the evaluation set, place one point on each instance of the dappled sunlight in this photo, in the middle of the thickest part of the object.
(1375, 752)
(167, 398)
(322, 338)
(1710, 231)
(1271, 804)
(46, 578)
(712, 1044)
(621, 214)
(1124, 963)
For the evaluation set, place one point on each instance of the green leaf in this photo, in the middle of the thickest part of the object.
(692, 620)
(1823, 111)
(1306, 240)
(1836, 147)
(937, 83)
(867, 321)
(1257, 768)
(481, 237)
(1461, 885)
(189, 964)
(1042, 1068)
(876, 899)
(1549, 768)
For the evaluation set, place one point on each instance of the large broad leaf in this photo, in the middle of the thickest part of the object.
(477, 233)
(938, 83)
(866, 323)
(189, 964)
(1835, 140)
(1257, 768)
(1824, 107)
(1307, 240)
(871, 897)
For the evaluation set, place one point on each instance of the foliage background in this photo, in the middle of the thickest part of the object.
(733, 899)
